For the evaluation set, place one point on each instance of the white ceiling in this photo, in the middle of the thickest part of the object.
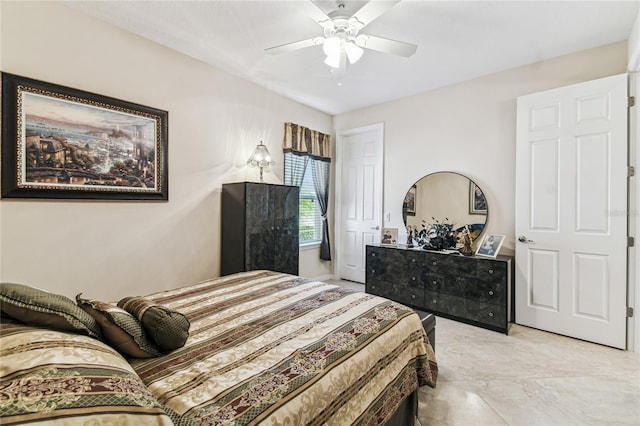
(457, 41)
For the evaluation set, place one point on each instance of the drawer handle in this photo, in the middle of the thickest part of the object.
(491, 314)
(373, 271)
(491, 271)
(413, 278)
(434, 263)
(434, 282)
(413, 261)
(490, 292)
(434, 301)
(413, 296)
(373, 255)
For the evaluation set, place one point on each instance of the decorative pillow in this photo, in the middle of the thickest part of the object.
(169, 329)
(40, 308)
(121, 329)
(52, 377)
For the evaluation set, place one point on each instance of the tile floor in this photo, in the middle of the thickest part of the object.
(529, 377)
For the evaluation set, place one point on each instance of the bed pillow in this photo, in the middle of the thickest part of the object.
(121, 329)
(40, 308)
(168, 328)
(56, 377)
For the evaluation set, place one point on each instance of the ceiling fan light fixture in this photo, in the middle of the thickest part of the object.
(331, 46)
(342, 42)
(333, 60)
(354, 52)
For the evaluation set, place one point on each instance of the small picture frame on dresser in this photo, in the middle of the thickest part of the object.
(490, 245)
(389, 237)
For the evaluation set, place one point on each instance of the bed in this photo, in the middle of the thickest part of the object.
(263, 348)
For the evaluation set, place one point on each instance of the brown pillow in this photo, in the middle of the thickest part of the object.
(40, 308)
(121, 329)
(169, 329)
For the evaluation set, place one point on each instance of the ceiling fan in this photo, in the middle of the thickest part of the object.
(342, 40)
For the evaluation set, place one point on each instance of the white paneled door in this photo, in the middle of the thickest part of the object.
(360, 198)
(571, 203)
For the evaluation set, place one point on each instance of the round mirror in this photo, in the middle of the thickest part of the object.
(441, 207)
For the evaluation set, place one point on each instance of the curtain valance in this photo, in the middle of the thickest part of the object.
(302, 140)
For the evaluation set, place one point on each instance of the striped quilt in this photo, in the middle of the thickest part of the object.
(275, 349)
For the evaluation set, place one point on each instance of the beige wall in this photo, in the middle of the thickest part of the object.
(469, 128)
(111, 249)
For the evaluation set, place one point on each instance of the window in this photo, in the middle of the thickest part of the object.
(298, 169)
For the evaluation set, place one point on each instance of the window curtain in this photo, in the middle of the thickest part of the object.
(298, 165)
(314, 147)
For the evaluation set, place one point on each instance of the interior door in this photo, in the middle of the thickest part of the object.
(360, 200)
(571, 203)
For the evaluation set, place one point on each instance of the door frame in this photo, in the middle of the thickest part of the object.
(633, 253)
(340, 135)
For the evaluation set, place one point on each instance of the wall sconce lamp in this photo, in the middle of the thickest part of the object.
(260, 158)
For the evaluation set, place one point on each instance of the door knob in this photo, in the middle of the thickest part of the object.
(524, 239)
(377, 227)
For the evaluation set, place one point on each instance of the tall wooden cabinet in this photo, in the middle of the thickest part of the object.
(259, 227)
(476, 290)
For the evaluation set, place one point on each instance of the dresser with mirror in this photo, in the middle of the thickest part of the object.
(473, 289)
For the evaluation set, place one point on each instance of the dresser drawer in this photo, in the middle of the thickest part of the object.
(377, 266)
(458, 285)
(489, 270)
(410, 296)
(433, 282)
(487, 313)
(445, 303)
(387, 264)
(486, 291)
(412, 280)
(480, 312)
(379, 288)
(454, 265)
(407, 295)
(435, 301)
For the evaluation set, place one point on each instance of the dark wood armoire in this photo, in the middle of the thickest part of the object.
(259, 227)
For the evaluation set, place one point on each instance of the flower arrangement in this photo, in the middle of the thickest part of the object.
(437, 235)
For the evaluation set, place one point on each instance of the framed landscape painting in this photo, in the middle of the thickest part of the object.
(477, 200)
(59, 142)
(409, 205)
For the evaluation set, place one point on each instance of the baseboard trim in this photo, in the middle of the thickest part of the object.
(323, 277)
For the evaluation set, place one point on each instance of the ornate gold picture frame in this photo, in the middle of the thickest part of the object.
(59, 142)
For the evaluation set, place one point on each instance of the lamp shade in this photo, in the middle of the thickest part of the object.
(354, 52)
(331, 46)
(333, 61)
(260, 158)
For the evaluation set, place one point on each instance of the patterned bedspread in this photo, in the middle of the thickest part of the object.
(276, 349)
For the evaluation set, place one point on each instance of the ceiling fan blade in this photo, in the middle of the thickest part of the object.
(289, 47)
(386, 45)
(314, 12)
(372, 10)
